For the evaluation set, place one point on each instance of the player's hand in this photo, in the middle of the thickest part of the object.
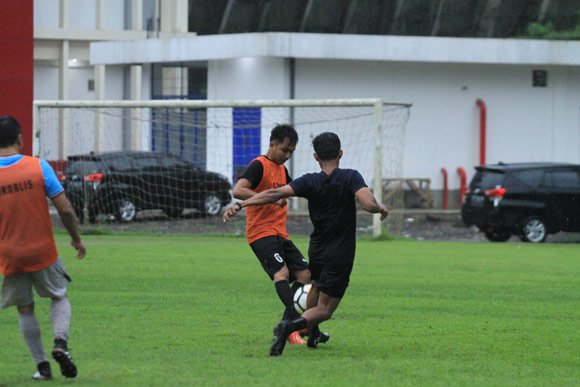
(231, 212)
(384, 211)
(80, 248)
(282, 202)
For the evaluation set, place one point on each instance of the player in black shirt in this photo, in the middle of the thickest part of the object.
(331, 195)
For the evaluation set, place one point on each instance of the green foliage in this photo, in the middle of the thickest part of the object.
(547, 31)
(537, 30)
(198, 310)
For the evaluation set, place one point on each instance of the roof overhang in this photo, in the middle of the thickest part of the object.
(338, 47)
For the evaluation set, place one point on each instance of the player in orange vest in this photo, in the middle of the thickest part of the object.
(28, 255)
(266, 226)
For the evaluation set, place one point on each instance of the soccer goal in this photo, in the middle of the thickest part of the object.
(171, 154)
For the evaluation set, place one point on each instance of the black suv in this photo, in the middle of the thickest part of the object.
(122, 183)
(530, 200)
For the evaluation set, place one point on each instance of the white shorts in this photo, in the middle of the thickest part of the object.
(50, 282)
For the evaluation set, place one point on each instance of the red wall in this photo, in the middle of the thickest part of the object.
(17, 64)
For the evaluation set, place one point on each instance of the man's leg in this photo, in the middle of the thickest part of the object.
(311, 318)
(17, 291)
(60, 312)
(321, 312)
(286, 295)
(31, 332)
(53, 282)
(284, 292)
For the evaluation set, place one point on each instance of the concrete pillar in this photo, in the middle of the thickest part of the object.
(99, 95)
(99, 14)
(63, 81)
(137, 15)
(136, 114)
(174, 16)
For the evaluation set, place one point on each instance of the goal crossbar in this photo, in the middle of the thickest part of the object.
(168, 103)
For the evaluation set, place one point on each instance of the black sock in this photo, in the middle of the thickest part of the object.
(295, 286)
(299, 323)
(286, 296)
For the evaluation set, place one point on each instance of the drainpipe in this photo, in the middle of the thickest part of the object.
(482, 129)
(445, 189)
(463, 184)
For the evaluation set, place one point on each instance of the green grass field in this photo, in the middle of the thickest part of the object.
(194, 310)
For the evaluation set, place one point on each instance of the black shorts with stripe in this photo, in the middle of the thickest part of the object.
(274, 252)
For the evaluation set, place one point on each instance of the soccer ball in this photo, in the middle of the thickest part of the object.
(300, 298)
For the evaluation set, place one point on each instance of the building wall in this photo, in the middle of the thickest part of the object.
(46, 13)
(524, 123)
(82, 14)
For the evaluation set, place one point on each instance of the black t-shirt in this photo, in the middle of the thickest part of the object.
(255, 171)
(332, 208)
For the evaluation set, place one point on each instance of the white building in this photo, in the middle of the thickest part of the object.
(442, 77)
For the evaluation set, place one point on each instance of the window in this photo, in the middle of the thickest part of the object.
(562, 179)
(81, 168)
(524, 180)
(120, 164)
(174, 162)
(147, 163)
(486, 180)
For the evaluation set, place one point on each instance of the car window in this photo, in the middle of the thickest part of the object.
(120, 164)
(524, 180)
(82, 168)
(562, 179)
(486, 180)
(174, 162)
(147, 162)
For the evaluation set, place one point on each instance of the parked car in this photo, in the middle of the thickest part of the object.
(530, 200)
(123, 183)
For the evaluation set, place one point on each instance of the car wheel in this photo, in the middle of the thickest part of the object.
(534, 230)
(498, 235)
(126, 211)
(212, 205)
(173, 212)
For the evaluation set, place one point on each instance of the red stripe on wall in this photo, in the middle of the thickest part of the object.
(17, 64)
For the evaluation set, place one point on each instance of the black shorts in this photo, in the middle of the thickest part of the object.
(331, 279)
(274, 252)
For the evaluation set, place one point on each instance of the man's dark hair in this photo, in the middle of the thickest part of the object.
(9, 131)
(282, 132)
(326, 145)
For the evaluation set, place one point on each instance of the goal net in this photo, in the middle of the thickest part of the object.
(170, 165)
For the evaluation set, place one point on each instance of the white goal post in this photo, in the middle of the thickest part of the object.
(372, 132)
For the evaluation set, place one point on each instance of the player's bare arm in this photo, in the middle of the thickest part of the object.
(243, 190)
(69, 220)
(265, 197)
(369, 203)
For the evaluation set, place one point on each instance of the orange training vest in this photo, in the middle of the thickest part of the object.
(26, 239)
(270, 219)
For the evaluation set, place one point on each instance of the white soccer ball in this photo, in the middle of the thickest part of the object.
(300, 298)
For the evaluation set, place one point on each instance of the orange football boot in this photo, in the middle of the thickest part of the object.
(295, 339)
